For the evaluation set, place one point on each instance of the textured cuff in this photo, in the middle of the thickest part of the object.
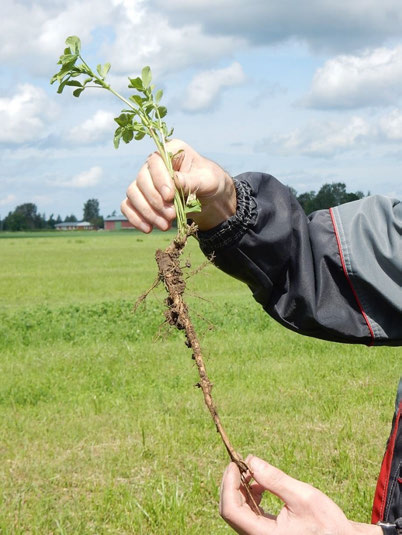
(230, 231)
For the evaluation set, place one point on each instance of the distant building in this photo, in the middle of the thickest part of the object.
(117, 222)
(74, 225)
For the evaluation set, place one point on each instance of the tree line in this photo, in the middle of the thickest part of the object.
(27, 217)
(328, 195)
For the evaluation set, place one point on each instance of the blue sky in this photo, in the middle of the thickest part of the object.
(307, 91)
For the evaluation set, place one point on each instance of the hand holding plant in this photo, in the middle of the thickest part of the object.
(149, 197)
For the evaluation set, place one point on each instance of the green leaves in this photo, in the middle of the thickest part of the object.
(74, 44)
(192, 204)
(162, 111)
(128, 128)
(142, 116)
(144, 104)
(136, 83)
(142, 83)
(158, 95)
(146, 76)
(123, 120)
(102, 71)
(77, 92)
(69, 68)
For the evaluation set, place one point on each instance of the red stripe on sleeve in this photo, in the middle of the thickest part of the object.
(338, 241)
(381, 491)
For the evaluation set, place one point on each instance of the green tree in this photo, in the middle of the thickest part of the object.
(329, 195)
(50, 223)
(91, 213)
(307, 201)
(70, 218)
(24, 217)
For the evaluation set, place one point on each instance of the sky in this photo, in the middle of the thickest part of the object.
(310, 92)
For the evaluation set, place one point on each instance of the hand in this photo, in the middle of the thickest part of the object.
(149, 201)
(306, 510)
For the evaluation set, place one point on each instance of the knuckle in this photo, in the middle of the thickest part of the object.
(130, 192)
(307, 497)
(147, 213)
(224, 512)
(151, 156)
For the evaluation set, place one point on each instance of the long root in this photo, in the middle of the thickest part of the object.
(171, 275)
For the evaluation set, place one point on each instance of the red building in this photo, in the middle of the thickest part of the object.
(117, 222)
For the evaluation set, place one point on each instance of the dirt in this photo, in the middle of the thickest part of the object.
(170, 274)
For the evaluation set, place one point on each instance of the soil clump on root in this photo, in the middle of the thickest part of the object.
(171, 275)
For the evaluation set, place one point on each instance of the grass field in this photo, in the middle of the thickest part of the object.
(102, 430)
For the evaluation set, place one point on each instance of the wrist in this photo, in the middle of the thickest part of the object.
(359, 528)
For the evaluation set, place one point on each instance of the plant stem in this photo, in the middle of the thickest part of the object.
(179, 201)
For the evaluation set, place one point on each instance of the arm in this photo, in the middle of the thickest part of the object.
(306, 510)
(336, 274)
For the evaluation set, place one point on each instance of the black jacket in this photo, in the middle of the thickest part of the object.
(335, 274)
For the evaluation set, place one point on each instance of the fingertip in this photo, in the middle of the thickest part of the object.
(123, 206)
(248, 458)
(169, 213)
(229, 489)
(255, 463)
(231, 477)
(180, 179)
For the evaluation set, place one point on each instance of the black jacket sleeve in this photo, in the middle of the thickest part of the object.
(297, 267)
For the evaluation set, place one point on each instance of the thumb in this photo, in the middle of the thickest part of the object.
(185, 182)
(288, 489)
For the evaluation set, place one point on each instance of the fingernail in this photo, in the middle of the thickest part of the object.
(144, 227)
(255, 463)
(161, 223)
(166, 193)
(170, 211)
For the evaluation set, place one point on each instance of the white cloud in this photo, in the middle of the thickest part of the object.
(86, 179)
(147, 38)
(7, 200)
(390, 125)
(93, 129)
(34, 32)
(323, 24)
(204, 89)
(350, 81)
(323, 139)
(133, 35)
(176, 34)
(25, 116)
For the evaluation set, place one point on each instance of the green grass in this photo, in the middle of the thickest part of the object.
(102, 428)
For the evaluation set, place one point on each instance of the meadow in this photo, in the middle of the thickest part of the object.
(102, 430)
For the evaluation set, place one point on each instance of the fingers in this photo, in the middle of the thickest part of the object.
(234, 509)
(149, 197)
(289, 490)
(156, 171)
(134, 217)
